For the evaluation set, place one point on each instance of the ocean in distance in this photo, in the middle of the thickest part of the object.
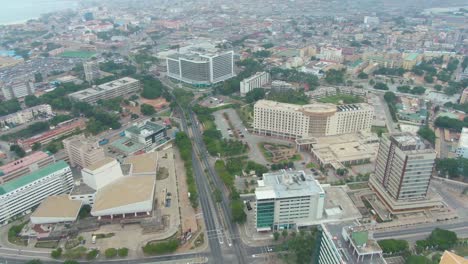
(20, 11)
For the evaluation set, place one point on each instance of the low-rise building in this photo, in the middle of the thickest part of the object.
(83, 151)
(130, 196)
(26, 115)
(147, 133)
(255, 81)
(331, 91)
(20, 195)
(287, 199)
(56, 209)
(347, 243)
(109, 90)
(25, 165)
(58, 132)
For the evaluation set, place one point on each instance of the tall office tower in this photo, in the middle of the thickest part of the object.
(91, 70)
(313, 120)
(403, 171)
(82, 151)
(201, 68)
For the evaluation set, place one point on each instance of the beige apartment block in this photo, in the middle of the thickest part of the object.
(83, 151)
(313, 120)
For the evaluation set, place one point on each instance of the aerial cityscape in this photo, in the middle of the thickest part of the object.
(246, 132)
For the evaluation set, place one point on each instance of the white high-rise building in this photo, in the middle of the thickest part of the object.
(462, 150)
(288, 199)
(306, 121)
(201, 68)
(20, 195)
(17, 89)
(255, 81)
(91, 70)
(83, 151)
(403, 171)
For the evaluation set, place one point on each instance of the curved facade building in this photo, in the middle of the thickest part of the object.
(314, 120)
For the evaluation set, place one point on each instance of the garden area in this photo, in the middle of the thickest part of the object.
(277, 153)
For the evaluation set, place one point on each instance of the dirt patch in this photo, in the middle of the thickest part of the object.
(162, 174)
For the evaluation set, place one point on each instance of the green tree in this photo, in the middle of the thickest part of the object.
(417, 260)
(381, 86)
(237, 210)
(70, 261)
(393, 245)
(255, 95)
(284, 233)
(92, 254)
(34, 261)
(38, 77)
(18, 150)
(122, 252)
(36, 146)
(335, 76)
(276, 235)
(363, 75)
(217, 195)
(110, 253)
(57, 253)
(427, 133)
(31, 100)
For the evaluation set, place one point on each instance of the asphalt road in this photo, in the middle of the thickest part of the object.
(421, 231)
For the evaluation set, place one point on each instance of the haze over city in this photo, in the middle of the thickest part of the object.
(203, 131)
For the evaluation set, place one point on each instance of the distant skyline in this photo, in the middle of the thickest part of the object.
(19, 11)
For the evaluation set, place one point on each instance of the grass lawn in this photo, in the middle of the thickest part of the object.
(356, 186)
(379, 130)
(75, 253)
(461, 250)
(77, 54)
(312, 165)
(245, 113)
(345, 98)
(296, 157)
(46, 244)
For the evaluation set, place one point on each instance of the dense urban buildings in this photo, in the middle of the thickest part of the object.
(113, 89)
(20, 195)
(287, 200)
(91, 70)
(83, 151)
(256, 81)
(305, 121)
(201, 67)
(403, 170)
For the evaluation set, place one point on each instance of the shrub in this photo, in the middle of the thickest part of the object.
(122, 252)
(57, 253)
(110, 252)
(92, 254)
(161, 247)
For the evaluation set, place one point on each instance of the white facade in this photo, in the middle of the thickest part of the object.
(201, 68)
(18, 196)
(255, 81)
(371, 20)
(102, 173)
(462, 150)
(26, 115)
(288, 199)
(295, 121)
(91, 70)
(331, 54)
(328, 252)
(17, 89)
(107, 90)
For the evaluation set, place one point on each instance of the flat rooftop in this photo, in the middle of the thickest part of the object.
(103, 88)
(82, 189)
(287, 184)
(144, 163)
(126, 145)
(125, 191)
(31, 177)
(23, 162)
(99, 164)
(57, 207)
(146, 129)
(409, 142)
